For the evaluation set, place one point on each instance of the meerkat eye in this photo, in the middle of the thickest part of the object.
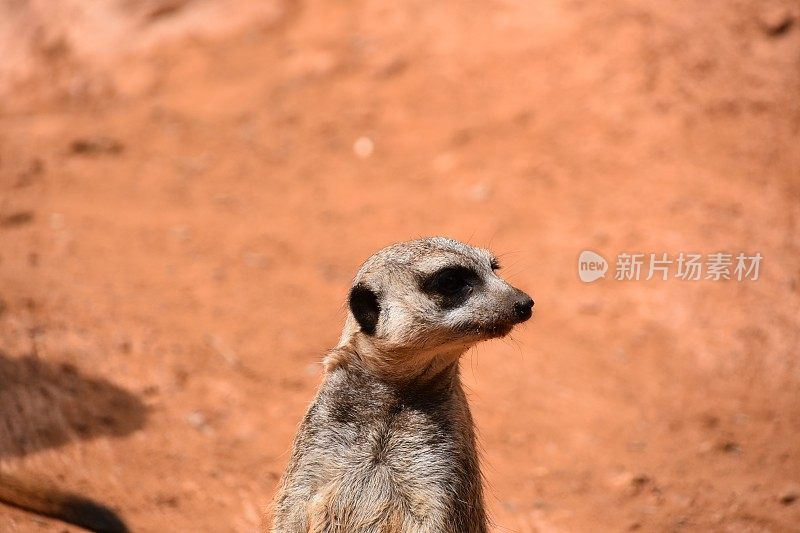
(451, 281)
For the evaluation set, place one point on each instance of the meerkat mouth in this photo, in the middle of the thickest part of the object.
(489, 331)
(499, 330)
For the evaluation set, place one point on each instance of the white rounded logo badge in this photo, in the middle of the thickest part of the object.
(591, 266)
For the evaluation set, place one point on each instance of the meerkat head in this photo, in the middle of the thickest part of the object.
(425, 302)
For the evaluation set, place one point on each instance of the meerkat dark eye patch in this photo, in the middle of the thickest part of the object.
(365, 307)
(451, 285)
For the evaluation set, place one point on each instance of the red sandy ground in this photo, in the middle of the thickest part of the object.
(179, 223)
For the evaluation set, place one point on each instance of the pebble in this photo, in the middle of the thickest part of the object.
(96, 145)
(197, 420)
(19, 218)
(480, 192)
(363, 147)
(790, 494)
(775, 20)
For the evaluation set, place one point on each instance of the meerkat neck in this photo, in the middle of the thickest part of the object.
(387, 367)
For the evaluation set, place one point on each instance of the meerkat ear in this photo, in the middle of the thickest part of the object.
(365, 307)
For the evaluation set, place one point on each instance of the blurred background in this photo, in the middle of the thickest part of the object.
(187, 187)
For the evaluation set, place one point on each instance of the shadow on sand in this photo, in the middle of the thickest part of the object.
(44, 405)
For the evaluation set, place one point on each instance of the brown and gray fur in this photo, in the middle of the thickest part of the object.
(388, 445)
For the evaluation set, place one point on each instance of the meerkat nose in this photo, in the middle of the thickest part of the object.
(523, 307)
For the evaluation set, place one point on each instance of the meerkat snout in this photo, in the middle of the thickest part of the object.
(523, 307)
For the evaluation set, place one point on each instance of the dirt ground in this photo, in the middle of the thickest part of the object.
(187, 187)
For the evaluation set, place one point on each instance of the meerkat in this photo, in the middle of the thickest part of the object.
(40, 498)
(388, 444)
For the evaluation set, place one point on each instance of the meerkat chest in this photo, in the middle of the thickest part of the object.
(420, 455)
(407, 465)
(383, 456)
